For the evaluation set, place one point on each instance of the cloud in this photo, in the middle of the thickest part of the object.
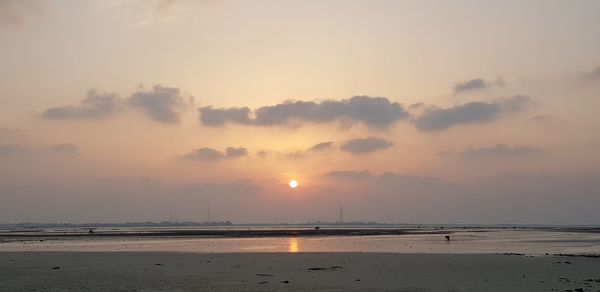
(236, 152)
(416, 105)
(8, 135)
(163, 104)
(137, 14)
(546, 120)
(592, 75)
(394, 179)
(13, 12)
(321, 146)
(472, 84)
(477, 84)
(436, 119)
(349, 174)
(211, 154)
(445, 153)
(501, 151)
(295, 155)
(66, 148)
(12, 149)
(391, 183)
(372, 111)
(93, 107)
(365, 145)
(302, 153)
(204, 154)
(217, 117)
(542, 118)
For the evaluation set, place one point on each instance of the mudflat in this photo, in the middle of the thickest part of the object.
(173, 271)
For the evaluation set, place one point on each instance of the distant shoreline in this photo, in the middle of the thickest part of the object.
(223, 233)
(250, 232)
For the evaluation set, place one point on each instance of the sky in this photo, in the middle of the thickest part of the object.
(481, 112)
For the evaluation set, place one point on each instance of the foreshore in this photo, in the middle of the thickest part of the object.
(172, 271)
(302, 260)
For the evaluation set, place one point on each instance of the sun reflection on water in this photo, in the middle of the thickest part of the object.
(293, 245)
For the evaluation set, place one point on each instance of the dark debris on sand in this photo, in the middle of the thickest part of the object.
(332, 268)
(595, 256)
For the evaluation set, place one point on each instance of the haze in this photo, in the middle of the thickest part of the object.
(399, 111)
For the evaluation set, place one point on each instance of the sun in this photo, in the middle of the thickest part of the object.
(293, 184)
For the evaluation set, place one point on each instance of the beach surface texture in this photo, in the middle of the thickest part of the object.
(172, 271)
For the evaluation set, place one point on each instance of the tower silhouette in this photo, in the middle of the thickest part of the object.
(208, 215)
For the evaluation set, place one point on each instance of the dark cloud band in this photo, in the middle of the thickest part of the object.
(372, 111)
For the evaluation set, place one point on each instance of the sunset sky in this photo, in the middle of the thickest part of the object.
(399, 111)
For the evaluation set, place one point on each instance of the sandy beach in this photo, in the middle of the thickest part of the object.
(474, 260)
(171, 271)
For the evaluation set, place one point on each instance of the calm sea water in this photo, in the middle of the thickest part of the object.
(530, 242)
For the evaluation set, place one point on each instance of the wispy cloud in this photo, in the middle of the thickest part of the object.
(65, 148)
(12, 149)
(592, 75)
(501, 151)
(365, 145)
(321, 146)
(472, 84)
(14, 12)
(95, 105)
(436, 119)
(349, 174)
(140, 13)
(477, 84)
(211, 154)
(236, 152)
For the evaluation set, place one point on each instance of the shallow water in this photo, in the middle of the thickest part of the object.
(531, 242)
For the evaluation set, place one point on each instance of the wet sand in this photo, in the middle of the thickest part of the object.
(529, 242)
(171, 271)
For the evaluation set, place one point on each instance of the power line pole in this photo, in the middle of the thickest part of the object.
(341, 215)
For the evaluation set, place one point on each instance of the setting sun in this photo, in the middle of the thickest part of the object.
(293, 184)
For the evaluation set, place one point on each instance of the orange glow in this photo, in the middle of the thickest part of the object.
(293, 245)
